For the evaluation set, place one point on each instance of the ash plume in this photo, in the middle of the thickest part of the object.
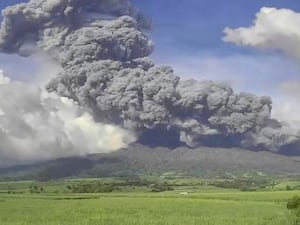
(103, 51)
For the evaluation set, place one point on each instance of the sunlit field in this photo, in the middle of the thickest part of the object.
(138, 206)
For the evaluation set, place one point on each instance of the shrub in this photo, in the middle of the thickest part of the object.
(161, 187)
(289, 188)
(294, 203)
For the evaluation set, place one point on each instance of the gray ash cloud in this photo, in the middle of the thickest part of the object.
(103, 51)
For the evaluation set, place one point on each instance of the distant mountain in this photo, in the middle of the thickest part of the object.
(142, 160)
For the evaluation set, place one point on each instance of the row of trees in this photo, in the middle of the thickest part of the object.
(245, 184)
(92, 188)
(97, 187)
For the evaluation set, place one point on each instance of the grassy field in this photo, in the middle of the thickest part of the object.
(137, 206)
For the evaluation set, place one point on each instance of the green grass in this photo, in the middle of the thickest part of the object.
(144, 209)
(205, 206)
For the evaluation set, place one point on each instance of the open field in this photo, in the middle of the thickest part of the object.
(205, 204)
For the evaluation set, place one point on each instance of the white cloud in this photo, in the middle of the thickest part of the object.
(36, 125)
(276, 29)
(291, 88)
(288, 106)
(287, 110)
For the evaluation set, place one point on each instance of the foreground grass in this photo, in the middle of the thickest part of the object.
(222, 208)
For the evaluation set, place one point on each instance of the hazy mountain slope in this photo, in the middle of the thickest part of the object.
(208, 159)
(141, 160)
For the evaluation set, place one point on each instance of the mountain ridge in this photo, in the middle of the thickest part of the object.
(138, 159)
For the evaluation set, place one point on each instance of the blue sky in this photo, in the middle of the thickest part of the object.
(188, 36)
(193, 25)
(5, 3)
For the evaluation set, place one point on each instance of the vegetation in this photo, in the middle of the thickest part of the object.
(246, 183)
(294, 205)
(147, 201)
(92, 187)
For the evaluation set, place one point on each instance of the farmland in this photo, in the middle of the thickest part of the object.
(188, 201)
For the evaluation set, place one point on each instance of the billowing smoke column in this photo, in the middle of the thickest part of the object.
(103, 51)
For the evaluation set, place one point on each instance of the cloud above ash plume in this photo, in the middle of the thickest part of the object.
(275, 29)
(103, 54)
(37, 125)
